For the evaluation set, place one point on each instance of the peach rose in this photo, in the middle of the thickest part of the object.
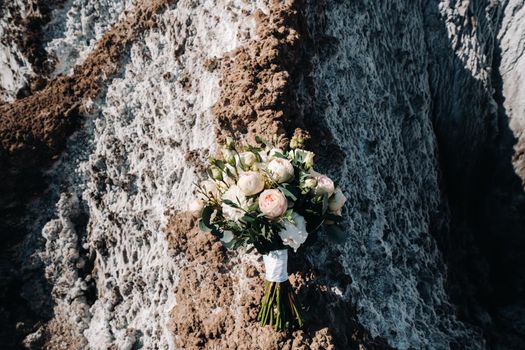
(272, 203)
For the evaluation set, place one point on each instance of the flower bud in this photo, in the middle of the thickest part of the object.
(230, 144)
(229, 156)
(297, 141)
(309, 160)
(248, 158)
(216, 173)
(209, 188)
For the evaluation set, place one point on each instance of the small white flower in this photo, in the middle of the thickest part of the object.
(294, 234)
(309, 160)
(281, 170)
(336, 202)
(251, 182)
(235, 195)
(195, 207)
(307, 157)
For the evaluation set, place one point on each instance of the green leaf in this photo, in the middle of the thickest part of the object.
(203, 227)
(254, 206)
(287, 193)
(204, 223)
(248, 218)
(325, 204)
(230, 203)
(279, 155)
(219, 164)
(261, 141)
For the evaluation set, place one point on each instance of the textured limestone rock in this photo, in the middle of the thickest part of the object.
(475, 125)
(148, 133)
(512, 70)
(372, 93)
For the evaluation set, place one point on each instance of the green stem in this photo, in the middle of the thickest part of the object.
(280, 308)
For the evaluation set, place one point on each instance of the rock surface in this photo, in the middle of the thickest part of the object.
(108, 110)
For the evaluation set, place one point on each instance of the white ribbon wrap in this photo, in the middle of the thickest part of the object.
(276, 265)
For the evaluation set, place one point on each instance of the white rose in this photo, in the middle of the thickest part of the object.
(294, 234)
(336, 202)
(251, 182)
(235, 195)
(281, 170)
(195, 207)
(324, 185)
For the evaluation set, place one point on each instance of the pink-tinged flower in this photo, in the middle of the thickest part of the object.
(272, 203)
(324, 185)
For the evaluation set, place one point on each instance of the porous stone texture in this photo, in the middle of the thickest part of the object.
(372, 94)
(148, 133)
(474, 119)
(511, 37)
(257, 96)
(21, 53)
(258, 83)
(75, 28)
(42, 39)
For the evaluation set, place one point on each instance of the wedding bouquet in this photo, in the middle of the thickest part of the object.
(268, 198)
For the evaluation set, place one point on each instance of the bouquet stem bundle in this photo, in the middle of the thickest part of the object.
(280, 307)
